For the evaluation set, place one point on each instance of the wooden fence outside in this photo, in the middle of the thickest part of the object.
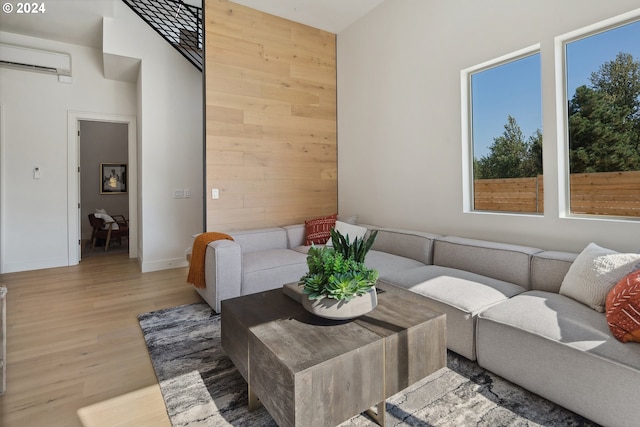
(603, 193)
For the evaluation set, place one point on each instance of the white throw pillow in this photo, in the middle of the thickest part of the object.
(594, 272)
(107, 218)
(350, 230)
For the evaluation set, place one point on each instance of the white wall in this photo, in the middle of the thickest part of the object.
(399, 116)
(167, 100)
(170, 134)
(35, 211)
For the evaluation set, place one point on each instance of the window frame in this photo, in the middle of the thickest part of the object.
(468, 195)
(562, 110)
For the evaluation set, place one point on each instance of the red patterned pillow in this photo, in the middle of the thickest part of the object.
(623, 308)
(319, 229)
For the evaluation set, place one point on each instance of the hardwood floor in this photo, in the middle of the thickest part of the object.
(73, 341)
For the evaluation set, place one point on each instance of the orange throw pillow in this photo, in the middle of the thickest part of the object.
(623, 308)
(319, 229)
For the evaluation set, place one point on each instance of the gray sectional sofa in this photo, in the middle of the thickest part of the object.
(501, 300)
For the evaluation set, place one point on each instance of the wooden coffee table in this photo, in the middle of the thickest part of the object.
(309, 371)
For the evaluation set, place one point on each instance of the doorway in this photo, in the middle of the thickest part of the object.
(97, 141)
(103, 150)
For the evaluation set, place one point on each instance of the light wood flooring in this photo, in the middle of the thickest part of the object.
(75, 351)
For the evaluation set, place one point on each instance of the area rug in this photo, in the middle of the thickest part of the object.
(201, 387)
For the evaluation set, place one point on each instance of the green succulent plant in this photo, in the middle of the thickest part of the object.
(355, 250)
(339, 272)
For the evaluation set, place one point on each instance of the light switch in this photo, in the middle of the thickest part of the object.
(215, 194)
(187, 193)
(36, 173)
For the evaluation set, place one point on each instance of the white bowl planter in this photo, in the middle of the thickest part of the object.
(330, 308)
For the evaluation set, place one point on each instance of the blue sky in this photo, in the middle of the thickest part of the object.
(515, 88)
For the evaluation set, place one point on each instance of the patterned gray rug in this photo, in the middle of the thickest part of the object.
(201, 387)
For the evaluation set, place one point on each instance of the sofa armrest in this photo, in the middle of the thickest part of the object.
(223, 272)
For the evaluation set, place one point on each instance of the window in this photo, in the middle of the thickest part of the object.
(506, 134)
(602, 122)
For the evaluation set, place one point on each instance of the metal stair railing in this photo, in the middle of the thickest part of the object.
(177, 22)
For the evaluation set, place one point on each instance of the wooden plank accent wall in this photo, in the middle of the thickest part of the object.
(270, 119)
(604, 193)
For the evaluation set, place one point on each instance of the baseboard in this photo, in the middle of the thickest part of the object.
(167, 264)
(14, 267)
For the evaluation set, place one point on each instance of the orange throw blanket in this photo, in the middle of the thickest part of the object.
(196, 269)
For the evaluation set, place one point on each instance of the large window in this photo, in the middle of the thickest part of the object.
(603, 122)
(506, 134)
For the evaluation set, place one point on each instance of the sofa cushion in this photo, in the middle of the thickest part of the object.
(548, 269)
(468, 291)
(562, 350)
(304, 249)
(260, 239)
(559, 318)
(387, 263)
(459, 294)
(623, 308)
(270, 269)
(408, 244)
(594, 272)
(500, 260)
(271, 259)
(296, 235)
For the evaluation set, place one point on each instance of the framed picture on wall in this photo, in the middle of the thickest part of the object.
(113, 178)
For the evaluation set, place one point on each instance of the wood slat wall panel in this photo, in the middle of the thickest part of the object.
(270, 119)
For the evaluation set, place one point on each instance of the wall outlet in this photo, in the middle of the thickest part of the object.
(178, 194)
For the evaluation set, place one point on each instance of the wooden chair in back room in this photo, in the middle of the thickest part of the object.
(107, 230)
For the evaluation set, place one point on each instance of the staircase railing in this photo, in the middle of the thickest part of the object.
(177, 22)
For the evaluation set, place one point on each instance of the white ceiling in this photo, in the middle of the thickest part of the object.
(80, 21)
(329, 15)
(68, 21)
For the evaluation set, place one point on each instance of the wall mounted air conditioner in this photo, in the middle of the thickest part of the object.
(35, 60)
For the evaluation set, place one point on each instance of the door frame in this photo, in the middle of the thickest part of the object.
(2, 189)
(73, 179)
